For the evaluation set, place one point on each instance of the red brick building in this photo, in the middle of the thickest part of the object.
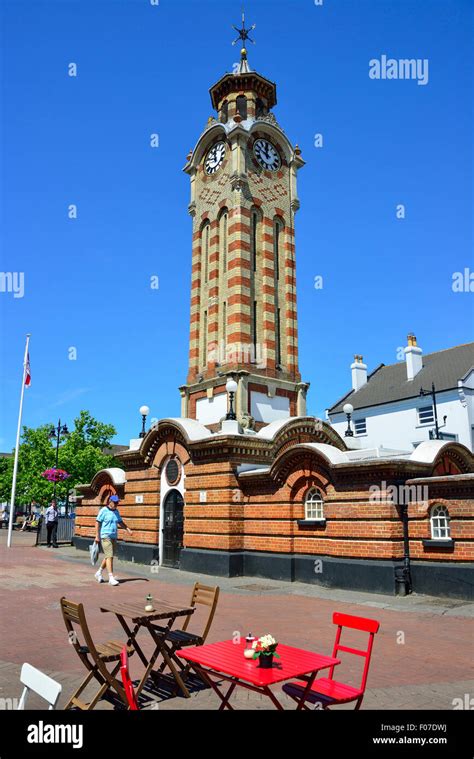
(273, 492)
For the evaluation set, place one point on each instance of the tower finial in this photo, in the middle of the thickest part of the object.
(243, 36)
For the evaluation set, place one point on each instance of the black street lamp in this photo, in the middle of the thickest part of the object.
(432, 392)
(55, 434)
(231, 388)
(348, 408)
(144, 411)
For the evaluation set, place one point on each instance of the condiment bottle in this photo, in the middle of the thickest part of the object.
(248, 650)
(149, 603)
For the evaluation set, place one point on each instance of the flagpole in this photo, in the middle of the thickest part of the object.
(17, 446)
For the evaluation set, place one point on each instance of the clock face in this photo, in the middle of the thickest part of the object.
(267, 155)
(215, 157)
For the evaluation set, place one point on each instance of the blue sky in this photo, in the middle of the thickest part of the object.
(144, 69)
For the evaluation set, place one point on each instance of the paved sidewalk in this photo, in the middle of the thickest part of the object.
(422, 654)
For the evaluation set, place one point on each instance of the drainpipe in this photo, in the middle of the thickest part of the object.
(403, 583)
(406, 551)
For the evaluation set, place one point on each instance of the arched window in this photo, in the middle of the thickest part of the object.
(241, 106)
(224, 112)
(440, 523)
(205, 249)
(314, 505)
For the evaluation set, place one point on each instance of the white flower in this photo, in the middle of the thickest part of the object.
(267, 641)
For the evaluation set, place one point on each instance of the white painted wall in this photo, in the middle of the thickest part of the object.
(164, 490)
(211, 410)
(395, 425)
(466, 394)
(265, 409)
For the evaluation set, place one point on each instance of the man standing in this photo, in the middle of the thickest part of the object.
(108, 520)
(51, 516)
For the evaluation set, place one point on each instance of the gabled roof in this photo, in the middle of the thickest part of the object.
(388, 384)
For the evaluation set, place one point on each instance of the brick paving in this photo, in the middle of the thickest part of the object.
(422, 654)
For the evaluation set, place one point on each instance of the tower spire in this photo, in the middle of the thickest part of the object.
(243, 37)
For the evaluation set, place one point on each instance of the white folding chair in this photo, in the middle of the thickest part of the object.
(41, 684)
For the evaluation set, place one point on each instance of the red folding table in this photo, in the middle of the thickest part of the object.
(226, 661)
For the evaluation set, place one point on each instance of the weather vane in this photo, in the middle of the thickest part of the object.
(244, 33)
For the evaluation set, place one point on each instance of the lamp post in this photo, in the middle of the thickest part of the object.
(432, 392)
(231, 388)
(55, 434)
(144, 411)
(348, 408)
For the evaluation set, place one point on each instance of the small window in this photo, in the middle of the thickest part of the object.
(440, 523)
(224, 112)
(425, 415)
(360, 426)
(241, 106)
(259, 108)
(445, 436)
(172, 471)
(314, 505)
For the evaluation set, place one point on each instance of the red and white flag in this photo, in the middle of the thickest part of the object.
(27, 371)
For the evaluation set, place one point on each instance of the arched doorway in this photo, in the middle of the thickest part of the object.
(173, 528)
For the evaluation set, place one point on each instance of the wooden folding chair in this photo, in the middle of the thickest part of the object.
(326, 691)
(94, 657)
(175, 639)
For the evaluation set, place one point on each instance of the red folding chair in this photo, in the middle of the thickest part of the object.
(127, 683)
(327, 691)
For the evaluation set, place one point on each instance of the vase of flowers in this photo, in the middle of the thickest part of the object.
(264, 650)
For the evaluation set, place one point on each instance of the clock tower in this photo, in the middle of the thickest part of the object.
(243, 173)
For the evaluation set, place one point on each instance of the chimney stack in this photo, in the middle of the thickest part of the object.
(413, 354)
(359, 373)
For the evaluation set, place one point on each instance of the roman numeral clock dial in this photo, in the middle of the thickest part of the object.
(214, 158)
(267, 155)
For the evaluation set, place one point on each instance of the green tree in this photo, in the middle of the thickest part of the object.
(80, 454)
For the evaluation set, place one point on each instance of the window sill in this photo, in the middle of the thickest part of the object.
(311, 522)
(437, 543)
